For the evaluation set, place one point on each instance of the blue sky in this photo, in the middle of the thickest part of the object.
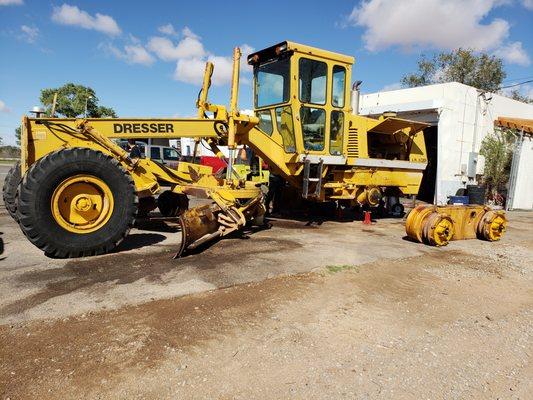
(146, 58)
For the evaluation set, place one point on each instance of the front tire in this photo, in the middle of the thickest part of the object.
(76, 202)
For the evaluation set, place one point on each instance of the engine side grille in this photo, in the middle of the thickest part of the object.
(353, 143)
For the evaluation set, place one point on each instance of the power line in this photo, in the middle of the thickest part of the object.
(517, 79)
(516, 84)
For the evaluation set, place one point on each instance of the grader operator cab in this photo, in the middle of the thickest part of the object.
(309, 132)
(77, 193)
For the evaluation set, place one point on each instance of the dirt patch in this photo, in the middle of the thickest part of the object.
(84, 350)
(414, 327)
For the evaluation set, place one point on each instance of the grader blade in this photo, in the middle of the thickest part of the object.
(198, 225)
(202, 224)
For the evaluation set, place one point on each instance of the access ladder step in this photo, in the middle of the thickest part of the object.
(307, 179)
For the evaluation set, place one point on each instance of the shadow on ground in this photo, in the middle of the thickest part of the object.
(209, 263)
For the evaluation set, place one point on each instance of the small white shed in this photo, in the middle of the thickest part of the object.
(461, 116)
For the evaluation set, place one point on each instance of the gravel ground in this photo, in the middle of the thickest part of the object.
(305, 312)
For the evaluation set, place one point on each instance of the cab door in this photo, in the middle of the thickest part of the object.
(322, 107)
(313, 111)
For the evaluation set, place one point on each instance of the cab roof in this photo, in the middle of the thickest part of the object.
(287, 47)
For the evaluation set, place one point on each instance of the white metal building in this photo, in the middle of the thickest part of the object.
(461, 116)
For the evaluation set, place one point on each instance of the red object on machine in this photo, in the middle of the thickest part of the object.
(368, 218)
(214, 162)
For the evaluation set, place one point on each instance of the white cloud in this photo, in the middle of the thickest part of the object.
(11, 2)
(4, 108)
(429, 24)
(513, 53)
(188, 47)
(223, 69)
(391, 86)
(528, 4)
(188, 53)
(132, 53)
(137, 54)
(29, 34)
(246, 50)
(72, 15)
(188, 33)
(167, 29)
(191, 70)
(134, 39)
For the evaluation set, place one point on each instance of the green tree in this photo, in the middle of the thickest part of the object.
(497, 148)
(17, 135)
(481, 70)
(516, 95)
(73, 100)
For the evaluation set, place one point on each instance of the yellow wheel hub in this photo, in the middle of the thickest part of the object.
(497, 228)
(415, 222)
(82, 204)
(492, 226)
(438, 229)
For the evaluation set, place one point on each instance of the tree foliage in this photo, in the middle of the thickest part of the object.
(71, 100)
(9, 152)
(516, 95)
(497, 148)
(71, 103)
(481, 70)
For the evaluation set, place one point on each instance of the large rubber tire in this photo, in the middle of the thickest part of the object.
(9, 191)
(172, 204)
(36, 217)
(397, 210)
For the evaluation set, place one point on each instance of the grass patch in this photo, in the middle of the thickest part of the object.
(338, 268)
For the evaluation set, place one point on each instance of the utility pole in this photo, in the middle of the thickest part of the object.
(87, 97)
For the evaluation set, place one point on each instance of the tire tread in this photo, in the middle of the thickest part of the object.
(39, 171)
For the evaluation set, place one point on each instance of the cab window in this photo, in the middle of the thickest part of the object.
(336, 131)
(339, 81)
(313, 128)
(286, 128)
(313, 81)
(265, 122)
(272, 83)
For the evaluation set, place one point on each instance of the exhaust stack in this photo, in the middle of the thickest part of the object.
(356, 94)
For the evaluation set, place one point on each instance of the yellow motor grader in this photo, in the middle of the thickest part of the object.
(77, 193)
